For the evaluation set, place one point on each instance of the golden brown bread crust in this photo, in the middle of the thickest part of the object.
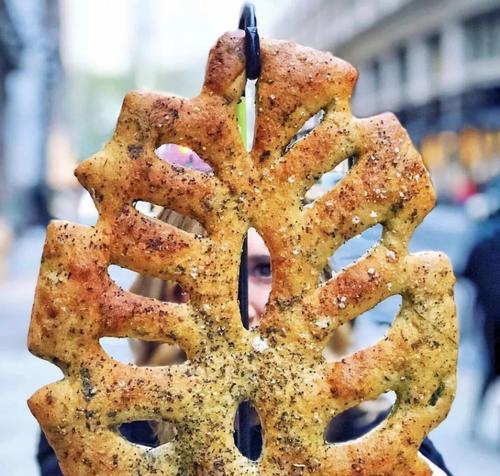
(280, 366)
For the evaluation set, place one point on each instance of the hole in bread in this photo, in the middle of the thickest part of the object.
(182, 156)
(259, 276)
(148, 433)
(148, 286)
(165, 291)
(248, 443)
(147, 208)
(142, 353)
(250, 95)
(357, 421)
(364, 331)
(123, 277)
(308, 126)
(155, 354)
(183, 222)
(118, 349)
(355, 248)
(325, 183)
(371, 326)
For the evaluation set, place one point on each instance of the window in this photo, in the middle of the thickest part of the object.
(482, 36)
(402, 59)
(435, 56)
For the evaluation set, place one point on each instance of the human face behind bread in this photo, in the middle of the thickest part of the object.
(259, 277)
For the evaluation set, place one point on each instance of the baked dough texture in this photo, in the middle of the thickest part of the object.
(279, 366)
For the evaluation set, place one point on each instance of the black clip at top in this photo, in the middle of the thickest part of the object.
(248, 23)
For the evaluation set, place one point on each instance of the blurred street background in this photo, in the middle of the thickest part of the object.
(65, 66)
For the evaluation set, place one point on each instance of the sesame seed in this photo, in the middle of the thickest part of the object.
(341, 302)
(259, 344)
(322, 323)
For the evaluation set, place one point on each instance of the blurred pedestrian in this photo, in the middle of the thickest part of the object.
(483, 269)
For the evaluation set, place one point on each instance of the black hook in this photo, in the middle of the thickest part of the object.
(248, 23)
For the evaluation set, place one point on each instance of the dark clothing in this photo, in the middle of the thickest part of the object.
(140, 432)
(483, 269)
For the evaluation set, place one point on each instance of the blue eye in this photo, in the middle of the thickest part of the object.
(263, 270)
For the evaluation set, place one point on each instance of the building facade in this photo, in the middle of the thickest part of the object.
(436, 64)
(29, 93)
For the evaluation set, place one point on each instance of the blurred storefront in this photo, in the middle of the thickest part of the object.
(435, 64)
